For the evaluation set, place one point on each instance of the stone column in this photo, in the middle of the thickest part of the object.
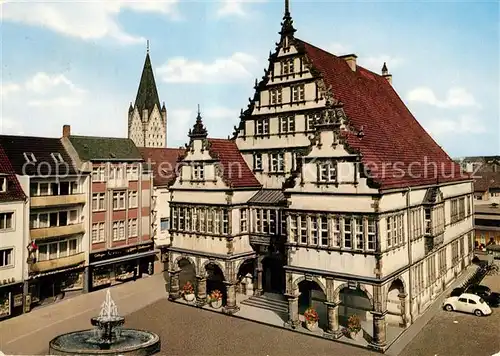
(259, 290)
(230, 307)
(402, 301)
(293, 312)
(85, 279)
(26, 299)
(201, 297)
(379, 342)
(333, 330)
(174, 285)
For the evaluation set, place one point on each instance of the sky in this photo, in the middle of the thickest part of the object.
(79, 62)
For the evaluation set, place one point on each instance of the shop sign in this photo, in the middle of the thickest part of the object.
(119, 253)
(27, 305)
(18, 300)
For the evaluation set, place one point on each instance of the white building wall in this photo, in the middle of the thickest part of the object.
(14, 239)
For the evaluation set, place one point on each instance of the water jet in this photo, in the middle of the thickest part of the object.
(108, 337)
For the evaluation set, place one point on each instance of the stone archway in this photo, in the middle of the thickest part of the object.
(215, 279)
(354, 301)
(245, 277)
(311, 294)
(396, 303)
(187, 271)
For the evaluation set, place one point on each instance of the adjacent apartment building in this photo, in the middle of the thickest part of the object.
(12, 240)
(322, 197)
(53, 218)
(165, 165)
(119, 221)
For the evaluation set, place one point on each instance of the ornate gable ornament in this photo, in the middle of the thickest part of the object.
(198, 131)
(287, 29)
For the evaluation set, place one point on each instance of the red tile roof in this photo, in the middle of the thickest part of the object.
(164, 163)
(236, 172)
(393, 139)
(484, 181)
(14, 192)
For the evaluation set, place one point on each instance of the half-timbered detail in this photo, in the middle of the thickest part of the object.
(343, 202)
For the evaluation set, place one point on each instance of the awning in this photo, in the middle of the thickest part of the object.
(123, 258)
(268, 197)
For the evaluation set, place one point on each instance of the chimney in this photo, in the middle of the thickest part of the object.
(66, 130)
(351, 60)
(385, 73)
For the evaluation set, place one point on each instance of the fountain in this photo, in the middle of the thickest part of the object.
(107, 338)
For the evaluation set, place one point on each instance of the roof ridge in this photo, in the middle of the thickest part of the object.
(101, 137)
(338, 57)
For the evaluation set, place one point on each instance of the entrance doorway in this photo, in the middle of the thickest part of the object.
(273, 275)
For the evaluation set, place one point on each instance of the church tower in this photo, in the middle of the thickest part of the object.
(147, 120)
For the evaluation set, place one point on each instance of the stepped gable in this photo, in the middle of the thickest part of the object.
(236, 172)
(13, 192)
(391, 133)
(165, 163)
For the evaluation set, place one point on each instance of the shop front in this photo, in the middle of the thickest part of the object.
(121, 265)
(49, 287)
(11, 299)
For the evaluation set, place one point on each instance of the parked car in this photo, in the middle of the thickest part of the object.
(457, 292)
(467, 303)
(491, 298)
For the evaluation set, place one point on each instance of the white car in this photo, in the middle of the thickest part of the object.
(467, 303)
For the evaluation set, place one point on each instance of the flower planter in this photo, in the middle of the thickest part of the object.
(311, 325)
(216, 304)
(189, 297)
(356, 335)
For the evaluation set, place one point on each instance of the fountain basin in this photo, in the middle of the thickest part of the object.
(84, 342)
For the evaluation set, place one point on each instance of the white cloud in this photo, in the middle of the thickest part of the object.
(237, 8)
(221, 70)
(375, 63)
(448, 127)
(8, 88)
(181, 120)
(371, 62)
(44, 102)
(88, 20)
(455, 97)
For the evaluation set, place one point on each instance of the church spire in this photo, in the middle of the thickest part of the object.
(147, 94)
(198, 131)
(287, 28)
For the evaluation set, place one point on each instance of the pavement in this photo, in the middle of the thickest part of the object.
(458, 334)
(29, 334)
(187, 331)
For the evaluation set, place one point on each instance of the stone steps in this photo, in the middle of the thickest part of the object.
(268, 303)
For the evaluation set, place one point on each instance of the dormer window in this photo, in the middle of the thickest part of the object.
(311, 121)
(57, 157)
(298, 93)
(198, 172)
(29, 157)
(3, 184)
(327, 172)
(275, 96)
(288, 66)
